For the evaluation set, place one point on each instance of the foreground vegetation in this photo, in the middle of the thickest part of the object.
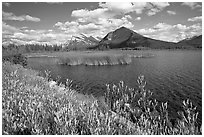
(35, 105)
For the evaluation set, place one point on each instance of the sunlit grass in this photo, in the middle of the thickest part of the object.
(35, 105)
(96, 58)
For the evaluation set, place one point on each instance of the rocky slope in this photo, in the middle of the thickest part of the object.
(81, 42)
(194, 42)
(126, 38)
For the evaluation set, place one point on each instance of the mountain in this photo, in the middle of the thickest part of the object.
(81, 42)
(194, 42)
(127, 39)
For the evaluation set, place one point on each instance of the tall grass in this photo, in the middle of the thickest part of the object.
(34, 105)
(96, 60)
(87, 58)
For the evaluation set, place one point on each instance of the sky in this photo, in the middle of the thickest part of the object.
(57, 22)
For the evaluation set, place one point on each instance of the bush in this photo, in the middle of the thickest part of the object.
(137, 106)
(16, 59)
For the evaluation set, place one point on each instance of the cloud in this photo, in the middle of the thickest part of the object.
(11, 16)
(152, 11)
(7, 4)
(107, 17)
(128, 17)
(24, 35)
(136, 7)
(161, 26)
(171, 12)
(97, 22)
(88, 13)
(155, 7)
(192, 5)
(138, 18)
(98, 27)
(7, 29)
(195, 19)
(171, 33)
(124, 7)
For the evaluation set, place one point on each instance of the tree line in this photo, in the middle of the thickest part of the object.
(14, 53)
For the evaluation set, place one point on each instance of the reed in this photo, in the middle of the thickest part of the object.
(96, 60)
(87, 58)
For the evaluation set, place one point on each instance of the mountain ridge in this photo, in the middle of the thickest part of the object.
(125, 38)
(195, 42)
(81, 41)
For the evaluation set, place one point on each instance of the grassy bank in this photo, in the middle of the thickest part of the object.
(35, 105)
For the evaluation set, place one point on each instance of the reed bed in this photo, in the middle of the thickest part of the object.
(87, 58)
(35, 105)
(96, 60)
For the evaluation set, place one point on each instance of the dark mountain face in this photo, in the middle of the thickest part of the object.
(126, 38)
(194, 42)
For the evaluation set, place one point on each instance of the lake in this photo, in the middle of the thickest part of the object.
(172, 75)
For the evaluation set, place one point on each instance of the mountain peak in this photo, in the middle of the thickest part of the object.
(127, 38)
(81, 41)
(123, 29)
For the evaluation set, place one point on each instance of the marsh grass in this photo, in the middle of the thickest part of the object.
(96, 60)
(32, 105)
(87, 58)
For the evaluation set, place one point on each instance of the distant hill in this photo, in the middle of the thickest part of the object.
(125, 38)
(81, 42)
(194, 42)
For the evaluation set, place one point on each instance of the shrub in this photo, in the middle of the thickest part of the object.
(137, 106)
(16, 59)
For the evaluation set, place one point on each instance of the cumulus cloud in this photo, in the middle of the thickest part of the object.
(194, 19)
(192, 5)
(152, 11)
(96, 28)
(90, 13)
(108, 17)
(98, 24)
(11, 16)
(172, 33)
(8, 28)
(138, 18)
(171, 12)
(124, 7)
(23, 35)
(111, 9)
(137, 7)
(128, 17)
(155, 7)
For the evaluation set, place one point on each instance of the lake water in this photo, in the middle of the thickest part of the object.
(172, 75)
